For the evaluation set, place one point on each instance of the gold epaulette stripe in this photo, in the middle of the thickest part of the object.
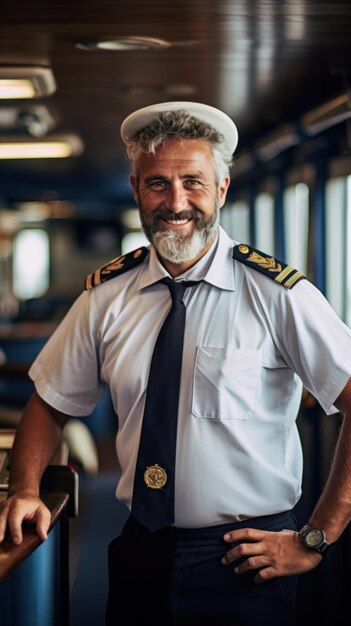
(96, 277)
(283, 275)
(291, 282)
(88, 282)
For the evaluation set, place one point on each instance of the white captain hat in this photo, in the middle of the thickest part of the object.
(210, 115)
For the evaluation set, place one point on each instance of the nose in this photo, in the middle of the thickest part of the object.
(177, 199)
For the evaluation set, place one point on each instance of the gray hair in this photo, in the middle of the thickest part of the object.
(182, 125)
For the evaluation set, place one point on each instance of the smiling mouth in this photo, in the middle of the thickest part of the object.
(176, 222)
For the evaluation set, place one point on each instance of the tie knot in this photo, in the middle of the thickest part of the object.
(177, 288)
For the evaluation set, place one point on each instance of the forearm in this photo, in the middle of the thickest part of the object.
(37, 438)
(36, 441)
(333, 510)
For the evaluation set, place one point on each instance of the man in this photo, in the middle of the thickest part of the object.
(255, 328)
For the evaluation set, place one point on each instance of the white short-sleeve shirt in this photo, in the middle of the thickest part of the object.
(250, 345)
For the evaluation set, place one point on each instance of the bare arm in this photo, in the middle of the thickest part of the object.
(333, 510)
(36, 441)
(282, 554)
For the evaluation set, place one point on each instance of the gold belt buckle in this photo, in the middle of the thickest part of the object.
(155, 477)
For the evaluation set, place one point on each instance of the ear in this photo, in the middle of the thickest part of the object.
(222, 190)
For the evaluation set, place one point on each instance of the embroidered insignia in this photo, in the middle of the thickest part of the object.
(116, 267)
(270, 266)
(269, 263)
(118, 264)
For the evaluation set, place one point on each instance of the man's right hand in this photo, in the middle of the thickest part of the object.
(21, 508)
(38, 436)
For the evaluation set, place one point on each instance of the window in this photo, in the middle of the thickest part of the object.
(264, 223)
(30, 263)
(235, 219)
(338, 242)
(296, 225)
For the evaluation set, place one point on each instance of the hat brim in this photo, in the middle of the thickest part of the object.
(217, 119)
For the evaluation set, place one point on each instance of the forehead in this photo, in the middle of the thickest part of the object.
(186, 156)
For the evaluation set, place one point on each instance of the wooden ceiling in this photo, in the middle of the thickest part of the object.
(264, 62)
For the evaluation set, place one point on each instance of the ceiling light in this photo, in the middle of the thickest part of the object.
(16, 88)
(278, 141)
(181, 90)
(327, 115)
(58, 147)
(25, 82)
(121, 44)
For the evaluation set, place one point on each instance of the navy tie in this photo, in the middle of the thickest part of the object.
(153, 492)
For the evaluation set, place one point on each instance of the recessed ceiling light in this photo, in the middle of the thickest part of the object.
(178, 90)
(55, 147)
(24, 82)
(16, 88)
(121, 44)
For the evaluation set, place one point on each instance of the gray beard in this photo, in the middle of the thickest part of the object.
(172, 245)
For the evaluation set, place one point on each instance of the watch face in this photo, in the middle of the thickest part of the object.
(314, 538)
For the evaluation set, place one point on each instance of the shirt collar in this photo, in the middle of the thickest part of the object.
(153, 270)
(215, 267)
(221, 270)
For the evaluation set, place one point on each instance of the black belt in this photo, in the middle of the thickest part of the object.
(265, 522)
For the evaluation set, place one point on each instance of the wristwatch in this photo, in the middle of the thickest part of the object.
(313, 538)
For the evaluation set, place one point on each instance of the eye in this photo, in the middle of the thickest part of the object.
(192, 183)
(157, 185)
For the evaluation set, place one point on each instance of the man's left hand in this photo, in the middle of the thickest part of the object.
(271, 554)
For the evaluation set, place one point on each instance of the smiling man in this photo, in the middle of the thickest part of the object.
(205, 344)
(179, 198)
(180, 185)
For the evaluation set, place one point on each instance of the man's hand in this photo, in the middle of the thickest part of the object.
(23, 508)
(270, 554)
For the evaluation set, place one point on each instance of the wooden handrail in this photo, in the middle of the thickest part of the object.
(59, 492)
(12, 555)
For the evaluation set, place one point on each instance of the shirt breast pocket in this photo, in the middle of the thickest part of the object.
(226, 382)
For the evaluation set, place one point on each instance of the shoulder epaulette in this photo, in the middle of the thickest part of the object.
(268, 265)
(116, 267)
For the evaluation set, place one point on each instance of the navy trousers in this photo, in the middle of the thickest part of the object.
(174, 577)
